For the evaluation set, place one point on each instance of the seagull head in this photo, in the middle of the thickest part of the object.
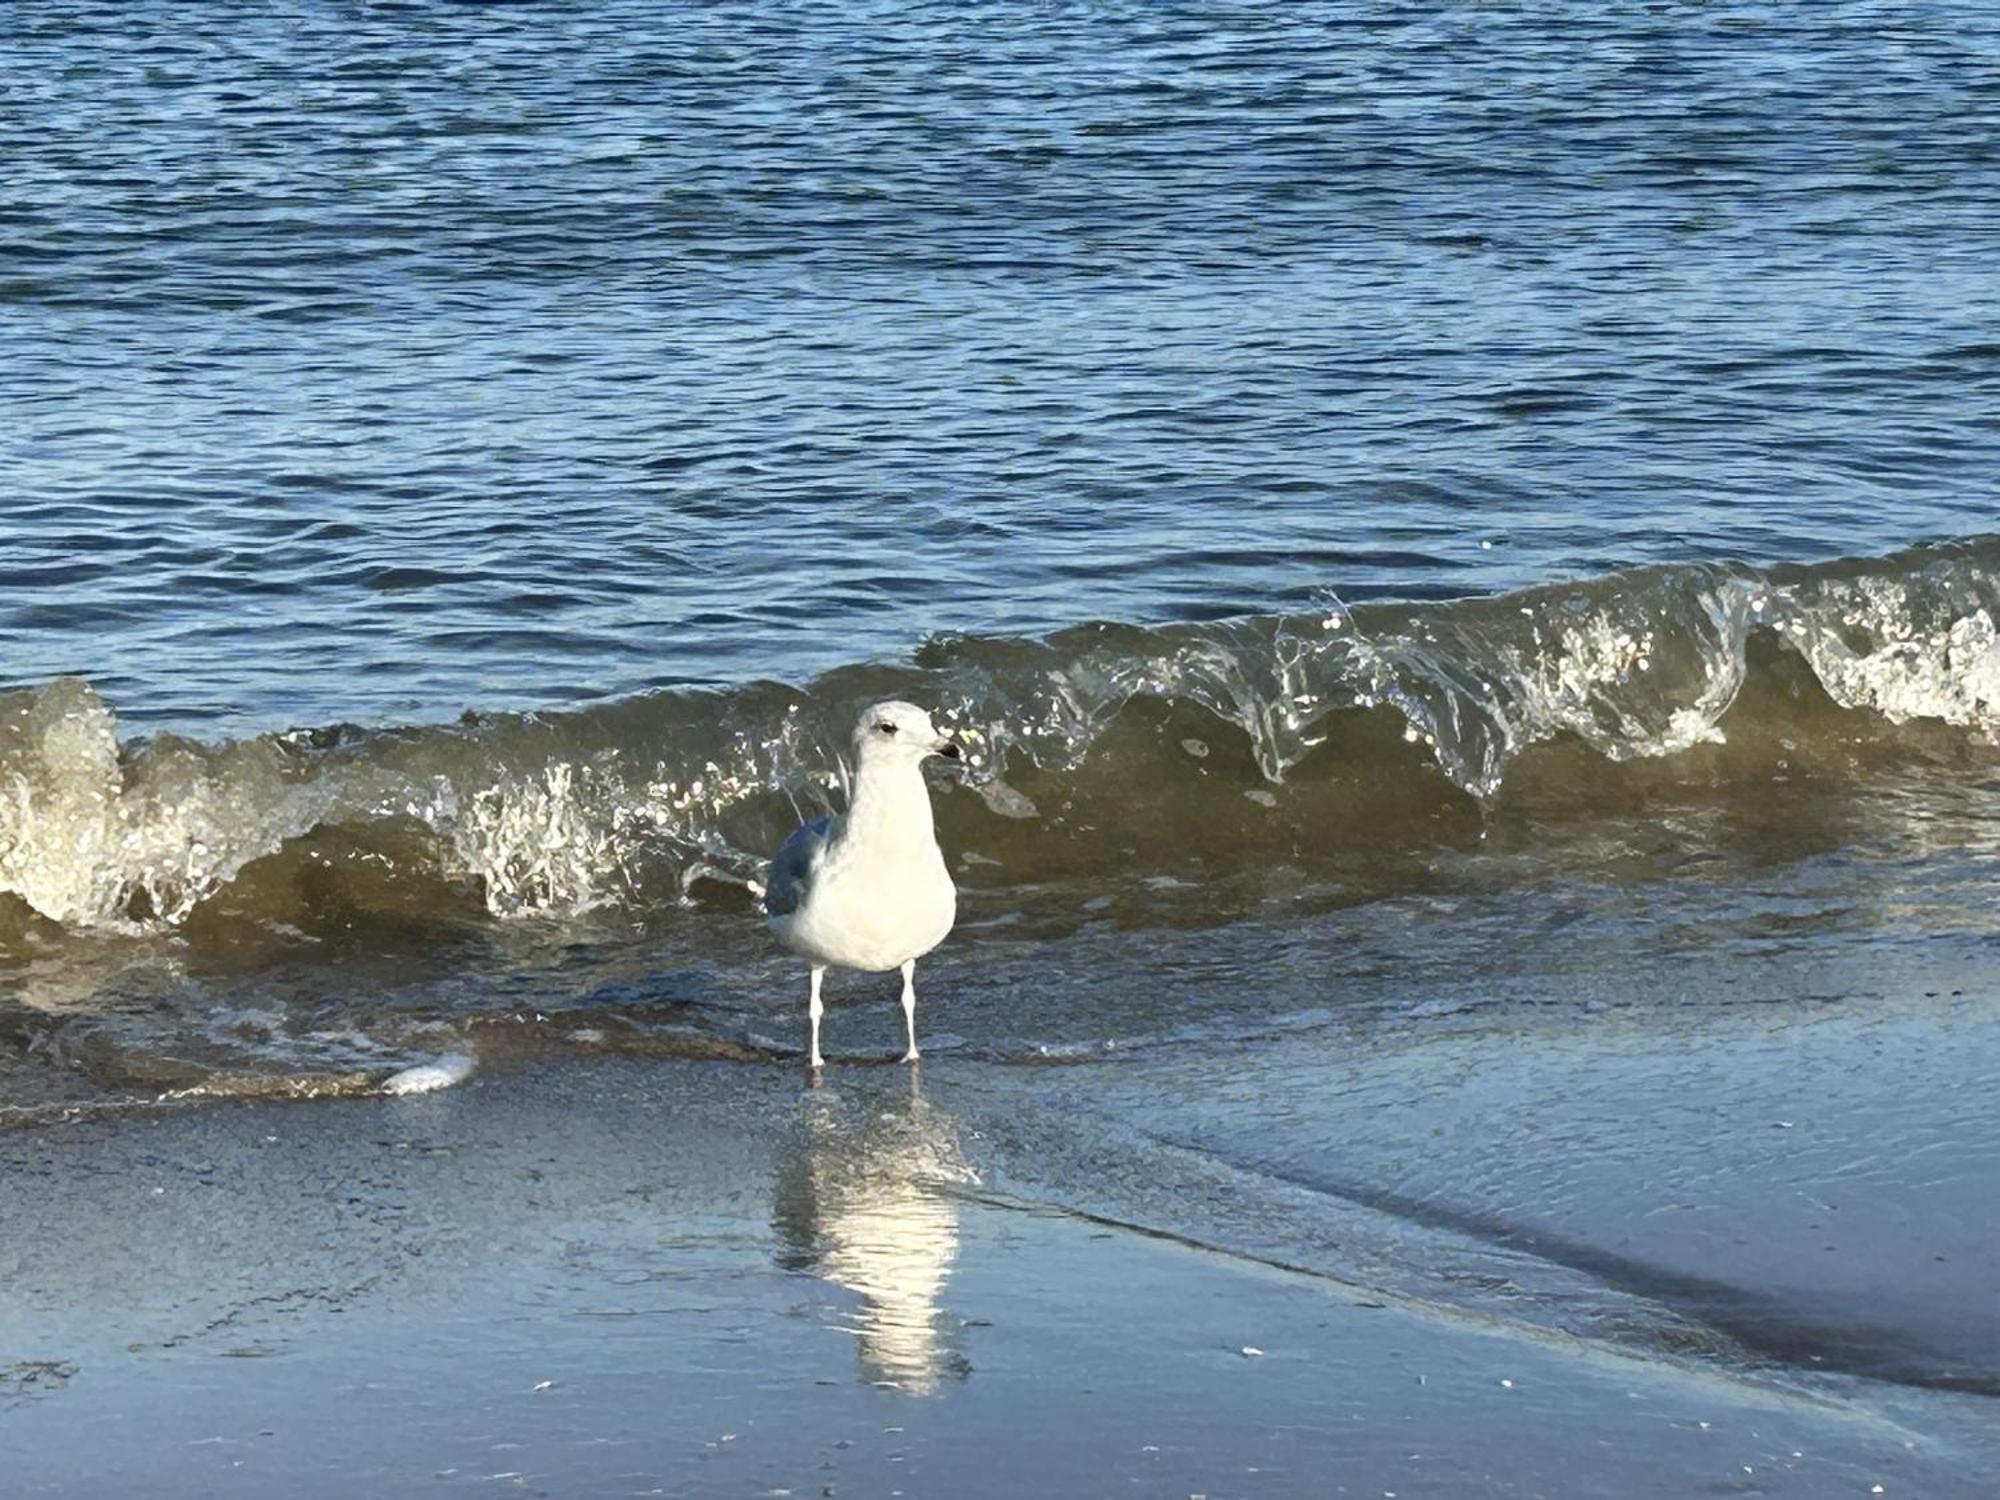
(897, 733)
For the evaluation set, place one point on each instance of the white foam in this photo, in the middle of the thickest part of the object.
(540, 843)
(1881, 645)
(91, 839)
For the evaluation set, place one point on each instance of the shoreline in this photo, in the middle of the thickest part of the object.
(732, 1285)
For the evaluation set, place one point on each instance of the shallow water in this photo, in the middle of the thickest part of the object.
(690, 1278)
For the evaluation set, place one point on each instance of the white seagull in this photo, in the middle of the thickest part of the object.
(869, 890)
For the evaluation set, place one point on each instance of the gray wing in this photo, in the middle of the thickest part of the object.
(792, 867)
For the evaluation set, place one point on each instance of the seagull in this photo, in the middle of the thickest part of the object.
(869, 890)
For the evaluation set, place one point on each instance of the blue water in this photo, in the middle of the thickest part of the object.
(374, 362)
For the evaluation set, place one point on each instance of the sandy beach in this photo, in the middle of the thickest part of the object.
(586, 1277)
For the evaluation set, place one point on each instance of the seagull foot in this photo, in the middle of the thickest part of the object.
(911, 1055)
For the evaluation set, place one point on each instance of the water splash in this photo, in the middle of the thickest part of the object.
(92, 837)
(565, 814)
(1922, 646)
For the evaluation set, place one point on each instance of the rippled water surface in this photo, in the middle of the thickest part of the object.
(369, 363)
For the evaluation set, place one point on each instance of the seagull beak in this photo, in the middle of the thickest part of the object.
(948, 748)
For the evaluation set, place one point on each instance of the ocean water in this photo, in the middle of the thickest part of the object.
(370, 363)
(1432, 517)
(463, 469)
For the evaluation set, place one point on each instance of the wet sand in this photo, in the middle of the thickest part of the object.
(628, 1277)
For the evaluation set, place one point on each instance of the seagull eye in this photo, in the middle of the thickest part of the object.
(886, 727)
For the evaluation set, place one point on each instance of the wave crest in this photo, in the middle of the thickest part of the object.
(636, 801)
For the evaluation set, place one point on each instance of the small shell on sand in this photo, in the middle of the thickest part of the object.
(440, 1073)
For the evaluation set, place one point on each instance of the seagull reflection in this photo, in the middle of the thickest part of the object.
(859, 1202)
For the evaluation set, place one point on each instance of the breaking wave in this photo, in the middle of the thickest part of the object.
(1110, 727)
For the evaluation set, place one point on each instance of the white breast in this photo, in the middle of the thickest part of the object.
(871, 910)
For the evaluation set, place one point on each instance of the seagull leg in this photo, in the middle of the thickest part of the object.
(816, 1010)
(910, 1008)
